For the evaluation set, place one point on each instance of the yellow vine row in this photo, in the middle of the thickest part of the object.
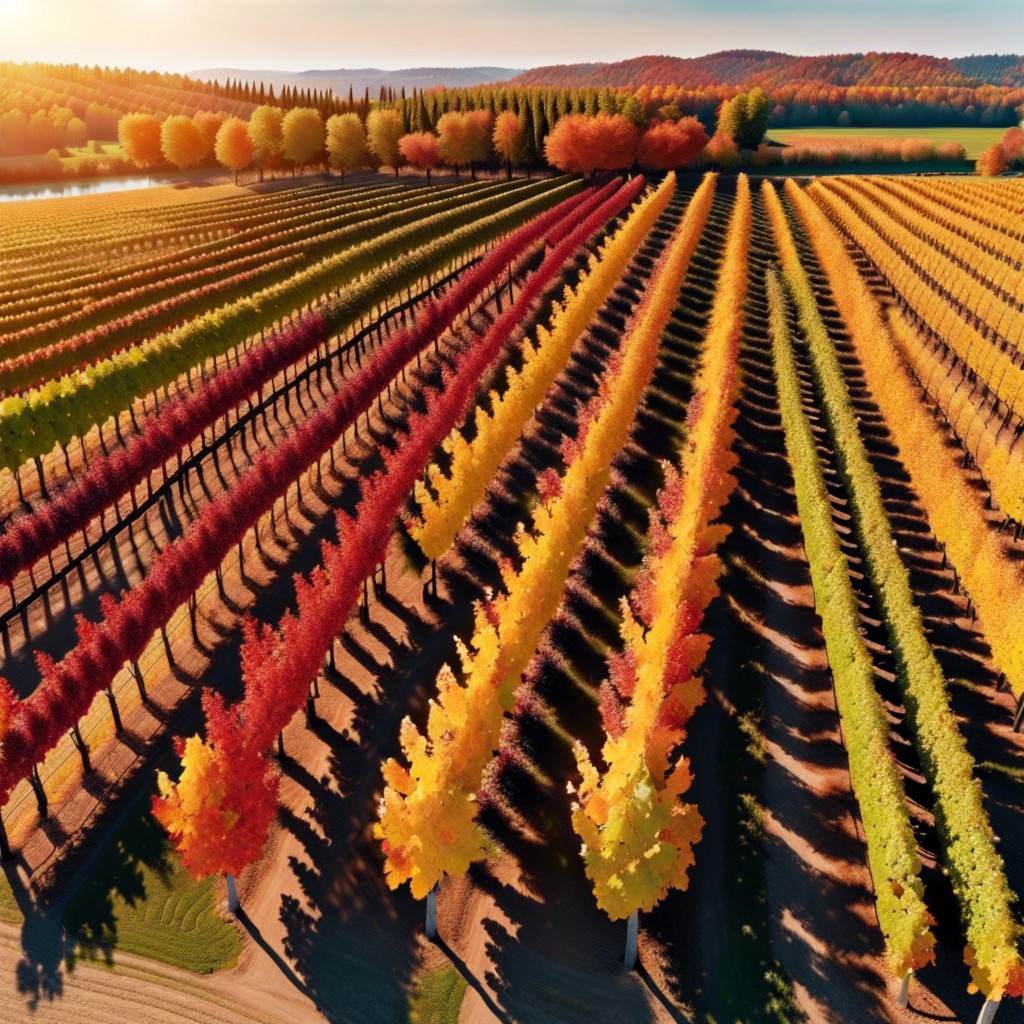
(427, 813)
(446, 505)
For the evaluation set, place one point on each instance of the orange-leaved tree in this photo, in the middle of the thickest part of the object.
(584, 144)
(218, 812)
(507, 139)
(479, 126)
(722, 150)
(208, 124)
(421, 150)
(181, 142)
(668, 145)
(992, 161)
(139, 136)
(233, 146)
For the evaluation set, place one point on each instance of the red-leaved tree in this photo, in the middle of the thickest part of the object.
(668, 145)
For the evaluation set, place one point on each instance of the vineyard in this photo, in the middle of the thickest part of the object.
(588, 602)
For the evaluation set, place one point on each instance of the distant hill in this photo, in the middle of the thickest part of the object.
(359, 79)
(769, 69)
(999, 69)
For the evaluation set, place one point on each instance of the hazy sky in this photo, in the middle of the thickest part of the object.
(303, 34)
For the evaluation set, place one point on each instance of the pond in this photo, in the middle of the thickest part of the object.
(62, 190)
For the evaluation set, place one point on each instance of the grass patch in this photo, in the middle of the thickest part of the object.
(437, 997)
(974, 140)
(139, 899)
(9, 912)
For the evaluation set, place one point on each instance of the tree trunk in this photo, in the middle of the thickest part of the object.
(430, 926)
(988, 1011)
(904, 996)
(232, 893)
(42, 479)
(5, 846)
(632, 927)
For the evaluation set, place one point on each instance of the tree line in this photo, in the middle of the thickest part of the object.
(392, 136)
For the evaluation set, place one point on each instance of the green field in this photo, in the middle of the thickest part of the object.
(974, 140)
(437, 997)
(9, 912)
(138, 898)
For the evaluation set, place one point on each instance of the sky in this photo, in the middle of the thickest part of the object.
(295, 35)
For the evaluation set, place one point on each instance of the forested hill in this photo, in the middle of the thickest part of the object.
(772, 70)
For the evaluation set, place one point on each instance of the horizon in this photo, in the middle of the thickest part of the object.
(398, 34)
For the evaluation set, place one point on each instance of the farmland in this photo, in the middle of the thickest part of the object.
(974, 140)
(639, 566)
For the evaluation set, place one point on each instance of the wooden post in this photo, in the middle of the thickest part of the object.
(1019, 717)
(904, 995)
(232, 893)
(280, 744)
(632, 928)
(431, 923)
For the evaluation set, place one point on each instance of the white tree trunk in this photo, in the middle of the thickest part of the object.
(988, 1011)
(632, 927)
(904, 996)
(232, 893)
(431, 924)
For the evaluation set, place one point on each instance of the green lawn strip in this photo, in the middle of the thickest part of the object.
(139, 899)
(9, 912)
(974, 140)
(874, 775)
(437, 996)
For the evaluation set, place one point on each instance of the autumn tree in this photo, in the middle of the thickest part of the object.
(668, 145)
(233, 147)
(218, 812)
(992, 162)
(302, 136)
(139, 135)
(208, 123)
(584, 144)
(346, 143)
(181, 142)
(722, 150)
(745, 118)
(7, 701)
(507, 139)
(453, 136)
(1013, 145)
(265, 132)
(384, 129)
(479, 127)
(421, 150)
